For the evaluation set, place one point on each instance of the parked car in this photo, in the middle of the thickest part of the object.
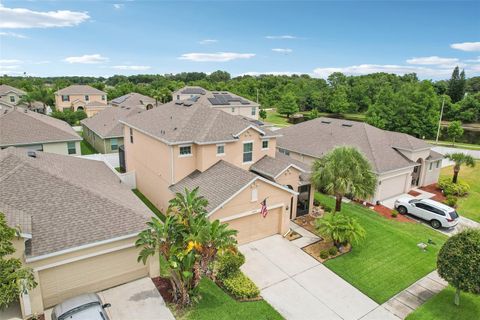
(438, 214)
(85, 307)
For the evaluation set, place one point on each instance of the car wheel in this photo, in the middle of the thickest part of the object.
(435, 224)
(402, 210)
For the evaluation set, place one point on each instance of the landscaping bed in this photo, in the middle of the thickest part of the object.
(316, 248)
(164, 287)
(387, 213)
(433, 188)
(307, 222)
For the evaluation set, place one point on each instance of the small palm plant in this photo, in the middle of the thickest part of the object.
(460, 159)
(340, 228)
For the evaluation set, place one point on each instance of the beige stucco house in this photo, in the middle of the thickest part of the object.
(188, 144)
(81, 97)
(401, 162)
(221, 100)
(104, 130)
(34, 131)
(134, 100)
(10, 97)
(78, 225)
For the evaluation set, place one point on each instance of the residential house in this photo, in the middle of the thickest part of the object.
(134, 99)
(34, 131)
(104, 130)
(81, 97)
(189, 144)
(401, 162)
(221, 100)
(78, 225)
(11, 97)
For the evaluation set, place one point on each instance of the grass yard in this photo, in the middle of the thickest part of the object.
(148, 203)
(468, 206)
(274, 118)
(216, 304)
(441, 307)
(460, 145)
(388, 260)
(86, 148)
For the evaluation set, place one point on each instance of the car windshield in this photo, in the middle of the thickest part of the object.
(453, 214)
(413, 201)
(71, 312)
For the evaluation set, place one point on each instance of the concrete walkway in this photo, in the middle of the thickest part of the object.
(299, 287)
(414, 296)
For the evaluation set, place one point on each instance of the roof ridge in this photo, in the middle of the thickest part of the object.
(371, 148)
(45, 119)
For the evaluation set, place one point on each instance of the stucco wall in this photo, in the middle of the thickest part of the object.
(100, 145)
(392, 184)
(245, 111)
(6, 98)
(431, 175)
(61, 148)
(60, 105)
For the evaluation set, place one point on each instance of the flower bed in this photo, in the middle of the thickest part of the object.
(307, 222)
(433, 188)
(387, 213)
(164, 287)
(316, 248)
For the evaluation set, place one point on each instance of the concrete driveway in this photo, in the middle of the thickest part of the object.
(299, 287)
(138, 299)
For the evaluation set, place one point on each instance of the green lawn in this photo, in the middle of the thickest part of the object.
(460, 145)
(468, 206)
(216, 304)
(87, 148)
(388, 260)
(148, 203)
(441, 307)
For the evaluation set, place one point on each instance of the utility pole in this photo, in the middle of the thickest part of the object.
(440, 120)
(257, 95)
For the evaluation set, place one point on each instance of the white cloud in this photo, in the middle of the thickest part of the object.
(13, 35)
(282, 50)
(10, 61)
(118, 5)
(282, 37)
(433, 60)
(466, 46)
(133, 68)
(362, 69)
(20, 18)
(87, 58)
(215, 57)
(208, 41)
(474, 60)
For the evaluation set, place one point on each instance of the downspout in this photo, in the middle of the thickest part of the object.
(172, 167)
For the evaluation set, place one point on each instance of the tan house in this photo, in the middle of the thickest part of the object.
(134, 99)
(11, 97)
(401, 162)
(221, 100)
(78, 225)
(186, 143)
(104, 130)
(34, 131)
(81, 97)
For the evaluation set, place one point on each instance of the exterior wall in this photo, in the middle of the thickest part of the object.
(431, 176)
(392, 184)
(101, 145)
(6, 98)
(241, 110)
(61, 148)
(291, 177)
(60, 105)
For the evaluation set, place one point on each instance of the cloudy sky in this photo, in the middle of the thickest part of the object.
(52, 38)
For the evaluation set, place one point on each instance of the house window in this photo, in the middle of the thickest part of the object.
(220, 149)
(254, 111)
(254, 195)
(247, 152)
(233, 110)
(114, 144)
(185, 151)
(12, 98)
(65, 98)
(438, 163)
(103, 97)
(431, 166)
(71, 147)
(178, 97)
(264, 144)
(86, 97)
(285, 152)
(131, 135)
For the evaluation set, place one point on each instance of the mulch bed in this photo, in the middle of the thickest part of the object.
(164, 287)
(314, 250)
(387, 213)
(293, 235)
(306, 222)
(433, 188)
(414, 193)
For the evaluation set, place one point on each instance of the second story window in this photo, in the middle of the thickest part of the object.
(233, 110)
(220, 149)
(264, 144)
(104, 98)
(131, 135)
(254, 111)
(12, 98)
(71, 147)
(86, 98)
(185, 151)
(114, 144)
(65, 98)
(247, 152)
(285, 152)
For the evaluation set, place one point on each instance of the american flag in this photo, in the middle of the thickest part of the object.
(263, 209)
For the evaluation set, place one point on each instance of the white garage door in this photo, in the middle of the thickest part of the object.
(391, 187)
(256, 227)
(90, 275)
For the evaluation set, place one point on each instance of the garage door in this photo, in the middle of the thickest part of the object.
(256, 227)
(391, 187)
(90, 275)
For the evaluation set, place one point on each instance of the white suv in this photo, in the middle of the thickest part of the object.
(438, 214)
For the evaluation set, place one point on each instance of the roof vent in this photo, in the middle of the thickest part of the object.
(326, 122)
(25, 110)
(31, 154)
(347, 125)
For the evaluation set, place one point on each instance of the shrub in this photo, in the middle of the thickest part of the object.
(229, 263)
(449, 188)
(326, 208)
(451, 201)
(324, 254)
(240, 286)
(394, 213)
(340, 227)
(333, 251)
(316, 203)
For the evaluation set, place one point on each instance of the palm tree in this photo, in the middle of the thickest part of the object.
(190, 203)
(341, 228)
(344, 171)
(460, 159)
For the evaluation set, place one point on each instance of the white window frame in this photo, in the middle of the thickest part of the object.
(243, 151)
(180, 155)
(439, 163)
(254, 111)
(12, 98)
(268, 144)
(221, 145)
(254, 195)
(74, 148)
(431, 166)
(116, 144)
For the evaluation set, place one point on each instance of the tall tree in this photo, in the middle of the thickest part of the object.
(339, 102)
(455, 130)
(460, 159)
(288, 105)
(344, 171)
(457, 85)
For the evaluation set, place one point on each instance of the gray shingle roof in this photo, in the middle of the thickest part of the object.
(435, 156)
(78, 89)
(217, 184)
(71, 201)
(272, 167)
(317, 137)
(18, 127)
(133, 99)
(188, 121)
(106, 122)
(4, 89)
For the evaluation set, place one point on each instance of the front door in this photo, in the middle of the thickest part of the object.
(303, 202)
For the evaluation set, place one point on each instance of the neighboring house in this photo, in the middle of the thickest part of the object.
(221, 100)
(187, 144)
(134, 99)
(81, 97)
(104, 131)
(11, 97)
(26, 129)
(400, 161)
(78, 225)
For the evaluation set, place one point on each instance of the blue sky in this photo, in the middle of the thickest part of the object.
(52, 38)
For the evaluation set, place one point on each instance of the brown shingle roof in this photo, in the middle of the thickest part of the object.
(133, 99)
(71, 201)
(106, 122)
(78, 89)
(18, 127)
(272, 167)
(4, 89)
